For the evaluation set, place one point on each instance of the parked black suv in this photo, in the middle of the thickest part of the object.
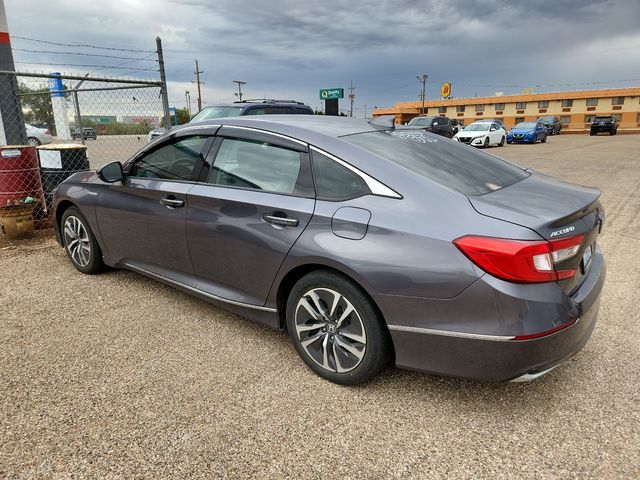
(88, 132)
(604, 124)
(439, 125)
(253, 107)
(245, 107)
(554, 127)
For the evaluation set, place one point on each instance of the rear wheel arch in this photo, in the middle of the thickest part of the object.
(292, 276)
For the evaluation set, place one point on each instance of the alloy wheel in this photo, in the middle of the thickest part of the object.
(77, 241)
(330, 330)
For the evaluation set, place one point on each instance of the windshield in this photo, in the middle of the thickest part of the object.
(217, 112)
(448, 163)
(526, 125)
(421, 122)
(477, 127)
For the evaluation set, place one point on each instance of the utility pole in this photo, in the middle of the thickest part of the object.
(197, 74)
(239, 94)
(352, 97)
(365, 111)
(187, 97)
(423, 79)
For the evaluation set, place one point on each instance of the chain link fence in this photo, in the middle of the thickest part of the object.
(63, 124)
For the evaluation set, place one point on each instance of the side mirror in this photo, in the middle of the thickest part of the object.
(492, 129)
(111, 172)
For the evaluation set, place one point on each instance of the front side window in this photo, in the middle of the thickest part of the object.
(255, 165)
(335, 182)
(175, 161)
(456, 166)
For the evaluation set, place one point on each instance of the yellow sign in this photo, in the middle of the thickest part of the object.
(445, 90)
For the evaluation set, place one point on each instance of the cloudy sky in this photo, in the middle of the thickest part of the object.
(292, 48)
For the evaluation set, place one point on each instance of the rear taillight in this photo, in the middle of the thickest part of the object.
(521, 261)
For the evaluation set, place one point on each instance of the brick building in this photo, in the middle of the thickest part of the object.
(575, 109)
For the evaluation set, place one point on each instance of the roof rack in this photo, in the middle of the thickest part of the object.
(268, 100)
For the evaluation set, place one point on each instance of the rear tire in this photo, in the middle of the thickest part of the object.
(544, 139)
(80, 243)
(33, 142)
(336, 328)
(486, 142)
(501, 144)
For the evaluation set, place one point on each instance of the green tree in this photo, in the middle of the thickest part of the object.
(36, 104)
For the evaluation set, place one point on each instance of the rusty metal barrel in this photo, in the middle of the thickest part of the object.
(58, 161)
(20, 177)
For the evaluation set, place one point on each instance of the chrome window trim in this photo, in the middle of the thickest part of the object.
(170, 281)
(259, 130)
(376, 187)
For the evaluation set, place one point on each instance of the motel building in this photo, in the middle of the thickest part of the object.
(575, 110)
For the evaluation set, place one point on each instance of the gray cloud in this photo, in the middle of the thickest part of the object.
(288, 48)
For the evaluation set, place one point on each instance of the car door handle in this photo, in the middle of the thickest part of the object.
(171, 201)
(281, 221)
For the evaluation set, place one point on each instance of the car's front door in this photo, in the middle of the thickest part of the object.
(142, 219)
(254, 199)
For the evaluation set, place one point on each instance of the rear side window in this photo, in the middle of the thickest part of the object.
(456, 166)
(335, 182)
(255, 165)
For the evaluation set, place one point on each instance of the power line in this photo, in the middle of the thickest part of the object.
(80, 45)
(89, 66)
(57, 52)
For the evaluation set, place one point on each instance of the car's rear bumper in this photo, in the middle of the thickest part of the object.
(490, 350)
(601, 129)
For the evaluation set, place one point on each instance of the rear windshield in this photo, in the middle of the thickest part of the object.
(217, 112)
(456, 166)
(421, 121)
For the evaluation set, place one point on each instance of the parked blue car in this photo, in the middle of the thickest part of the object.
(527, 132)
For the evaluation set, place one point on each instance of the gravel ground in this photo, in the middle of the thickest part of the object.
(118, 376)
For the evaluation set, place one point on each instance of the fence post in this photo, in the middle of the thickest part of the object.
(163, 88)
(77, 105)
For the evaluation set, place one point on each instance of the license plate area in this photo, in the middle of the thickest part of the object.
(587, 256)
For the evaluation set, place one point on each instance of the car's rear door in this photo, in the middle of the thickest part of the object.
(142, 219)
(254, 199)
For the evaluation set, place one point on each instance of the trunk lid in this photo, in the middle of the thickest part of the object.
(553, 209)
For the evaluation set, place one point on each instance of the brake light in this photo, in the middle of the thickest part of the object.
(521, 261)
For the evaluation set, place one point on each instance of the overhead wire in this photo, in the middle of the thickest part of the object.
(81, 45)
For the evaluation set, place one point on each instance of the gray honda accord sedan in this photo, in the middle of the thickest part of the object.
(368, 245)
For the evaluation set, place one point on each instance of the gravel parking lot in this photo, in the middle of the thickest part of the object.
(118, 376)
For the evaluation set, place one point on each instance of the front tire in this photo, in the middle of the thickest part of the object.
(80, 243)
(544, 139)
(501, 144)
(336, 328)
(486, 142)
(33, 142)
